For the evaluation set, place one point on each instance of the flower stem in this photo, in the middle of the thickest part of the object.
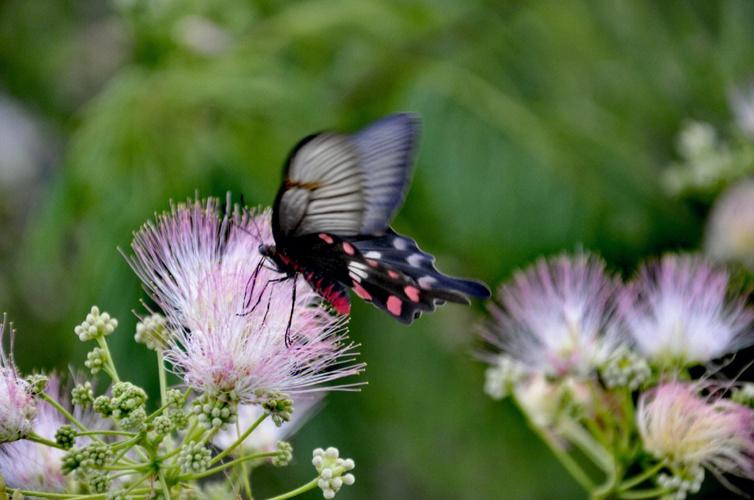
(165, 487)
(215, 470)
(39, 439)
(639, 494)
(110, 368)
(640, 478)
(163, 378)
(240, 440)
(301, 489)
(63, 411)
(588, 445)
(106, 433)
(245, 472)
(563, 457)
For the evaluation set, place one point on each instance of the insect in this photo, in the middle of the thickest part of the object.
(331, 217)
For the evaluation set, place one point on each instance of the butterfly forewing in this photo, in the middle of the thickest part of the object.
(331, 222)
(347, 185)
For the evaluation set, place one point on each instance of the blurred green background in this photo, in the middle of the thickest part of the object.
(547, 125)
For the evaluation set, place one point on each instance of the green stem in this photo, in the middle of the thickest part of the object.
(639, 494)
(587, 444)
(106, 433)
(39, 439)
(40, 494)
(563, 457)
(163, 378)
(63, 411)
(165, 487)
(245, 472)
(301, 489)
(219, 468)
(240, 440)
(640, 478)
(110, 368)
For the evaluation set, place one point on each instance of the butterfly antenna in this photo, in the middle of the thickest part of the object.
(290, 316)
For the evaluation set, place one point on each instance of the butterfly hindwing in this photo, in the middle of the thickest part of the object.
(347, 185)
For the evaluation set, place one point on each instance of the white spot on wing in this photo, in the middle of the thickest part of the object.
(400, 244)
(415, 259)
(426, 282)
(357, 265)
(373, 254)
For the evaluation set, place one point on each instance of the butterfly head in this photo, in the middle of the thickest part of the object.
(271, 252)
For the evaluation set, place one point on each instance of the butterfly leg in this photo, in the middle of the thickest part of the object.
(290, 316)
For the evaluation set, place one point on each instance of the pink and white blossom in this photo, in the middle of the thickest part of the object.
(678, 310)
(17, 405)
(556, 317)
(679, 424)
(29, 465)
(228, 315)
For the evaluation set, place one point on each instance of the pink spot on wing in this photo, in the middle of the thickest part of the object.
(393, 274)
(348, 248)
(372, 262)
(326, 238)
(412, 293)
(361, 292)
(394, 305)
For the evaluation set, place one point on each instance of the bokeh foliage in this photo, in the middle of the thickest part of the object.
(546, 127)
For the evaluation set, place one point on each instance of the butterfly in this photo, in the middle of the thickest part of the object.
(331, 223)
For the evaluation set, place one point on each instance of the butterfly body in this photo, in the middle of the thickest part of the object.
(331, 223)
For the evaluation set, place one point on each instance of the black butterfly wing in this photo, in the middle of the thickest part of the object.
(390, 271)
(346, 185)
(401, 279)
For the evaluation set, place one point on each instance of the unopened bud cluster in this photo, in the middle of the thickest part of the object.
(332, 470)
(96, 360)
(627, 369)
(194, 457)
(501, 377)
(279, 405)
(687, 481)
(96, 325)
(65, 436)
(92, 456)
(284, 454)
(82, 394)
(152, 331)
(216, 410)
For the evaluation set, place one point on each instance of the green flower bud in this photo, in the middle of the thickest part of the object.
(96, 325)
(163, 425)
(37, 383)
(216, 410)
(82, 395)
(66, 437)
(102, 406)
(194, 457)
(285, 454)
(280, 407)
(96, 359)
(152, 331)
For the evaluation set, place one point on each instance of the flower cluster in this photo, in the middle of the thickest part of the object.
(244, 348)
(229, 314)
(17, 404)
(603, 366)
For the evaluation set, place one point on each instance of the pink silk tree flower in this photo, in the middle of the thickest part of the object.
(17, 405)
(678, 424)
(677, 310)
(29, 465)
(556, 317)
(230, 313)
